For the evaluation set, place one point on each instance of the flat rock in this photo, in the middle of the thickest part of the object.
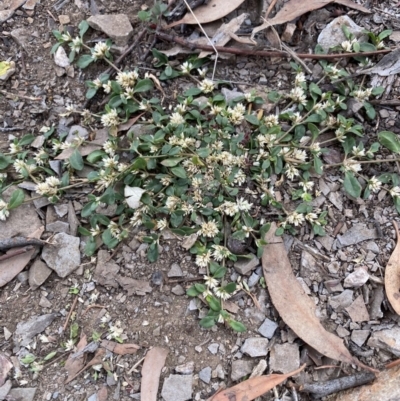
(213, 348)
(22, 221)
(337, 199)
(185, 369)
(116, 26)
(58, 227)
(341, 301)
(77, 131)
(267, 329)
(177, 388)
(388, 340)
(332, 34)
(241, 368)
(309, 267)
(60, 58)
(23, 38)
(246, 265)
(38, 274)
(5, 389)
(175, 271)
(22, 394)
(327, 242)
(61, 210)
(375, 311)
(218, 372)
(178, 290)
(63, 257)
(359, 336)
(358, 233)
(25, 331)
(357, 278)
(205, 375)
(284, 357)
(255, 346)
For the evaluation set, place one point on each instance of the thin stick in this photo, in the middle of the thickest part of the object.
(5, 93)
(93, 306)
(70, 313)
(16, 252)
(9, 129)
(265, 53)
(271, 6)
(135, 366)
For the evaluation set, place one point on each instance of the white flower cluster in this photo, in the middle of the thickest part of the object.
(236, 114)
(4, 212)
(206, 86)
(362, 95)
(100, 50)
(298, 95)
(127, 79)
(49, 187)
(110, 119)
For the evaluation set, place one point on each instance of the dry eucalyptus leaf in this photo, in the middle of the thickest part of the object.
(392, 275)
(14, 265)
(213, 10)
(151, 371)
(253, 388)
(295, 8)
(294, 306)
(120, 349)
(5, 367)
(189, 241)
(74, 365)
(389, 64)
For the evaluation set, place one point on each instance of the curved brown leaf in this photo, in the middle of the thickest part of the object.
(213, 10)
(295, 307)
(120, 349)
(392, 275)
(253, 388)
(151, 371)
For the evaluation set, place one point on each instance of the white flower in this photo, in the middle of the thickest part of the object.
(243, 205)
(115, 331)
(221, 293)
(236, 114)
(172, 202)
(312, 218)
(107, 87)
(69, 345)
(362, 95)
(97, 83)
(347, 45)
(209, 229)
(109, 147)
(240, 177)
(291, 172)
(215, 110)
(127, 79)
(297, 95)
(204, 259)
(300, 155)
(295, 218)
(207, 86)
(49, 187)
(220, 252)
(229, 208)
(186, 67)
(15, 148)
(114, 229)
(271, 121)
(357, 151)
(300, 78)
(76, 44)
(307, 186)
(106, 318)
(202, 72)
(350, 165)
(100, 50)
(210, 281)
(315, 148)
(110, 119)
(95, 231)
(176, 119)
(374, 184)
(66, 37)
(161, 224)
(4, 212)
(247, 230)
(395, 192)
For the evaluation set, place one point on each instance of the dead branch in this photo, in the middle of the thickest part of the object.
(16, 252)
(8, 129)
(70, 313)
(9, 243)
(333, 386)
(264, 53)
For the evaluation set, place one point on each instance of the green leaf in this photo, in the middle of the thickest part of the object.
(89, 208)
(390, 141)
(84, 61)
(171, 162)
(207, 322)
(90, 93)
(26, 140)
(139, 164)
(214, 303)
(108, 239)
(192, 292)
(369, 109)
(229, 288)
(74, 330)
(152, 253)
(179, 172)
(55, 47)
(144, 85)
(5, 161)
(314, 88)
(90, 247)
(84, 231)
(252, 119)
(351, 185)
(96, 156)
(144, 16)
(220, 272)
(76, 160)
(28, 359)
(50, 356)
(367, 47)
(318, 166)
(237, 326)
(384, 34)
(192, 92)
(83, 27)
(279, 231)
(161, 57)
(16, 199)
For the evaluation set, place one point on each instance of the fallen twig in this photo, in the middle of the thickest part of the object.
(8, 129)
(93, 306)
(333, 386)
(16, 252)
(70, 313)
(9, 243)
(9, 94)
(265, 53)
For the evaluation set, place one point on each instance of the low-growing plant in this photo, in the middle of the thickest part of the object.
(206, 169)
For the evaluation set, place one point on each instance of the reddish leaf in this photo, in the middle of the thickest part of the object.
(392, 275)
(151, 371)
(120, 349)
